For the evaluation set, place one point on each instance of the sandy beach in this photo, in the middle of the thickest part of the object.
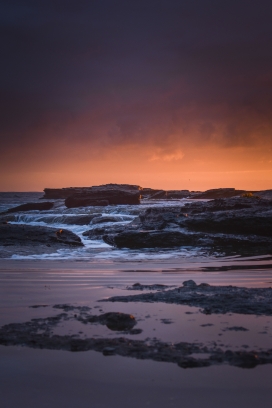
(61, 378)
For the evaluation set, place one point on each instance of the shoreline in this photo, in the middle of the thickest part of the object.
(78, 284)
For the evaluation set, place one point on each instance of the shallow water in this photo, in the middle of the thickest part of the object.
(48, 378)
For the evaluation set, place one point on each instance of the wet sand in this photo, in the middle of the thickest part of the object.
(65, 379)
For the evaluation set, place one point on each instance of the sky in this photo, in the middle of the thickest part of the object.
(172, 94)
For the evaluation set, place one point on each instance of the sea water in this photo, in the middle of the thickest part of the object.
(97, 250)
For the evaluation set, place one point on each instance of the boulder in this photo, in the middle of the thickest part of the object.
(103, 197)
(113, 320)
(99, 231)
(77, 219)
(150, 239)
(45, 206)
(106, 218)
(21, 234)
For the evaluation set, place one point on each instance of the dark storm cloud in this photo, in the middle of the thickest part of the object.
(126, 71)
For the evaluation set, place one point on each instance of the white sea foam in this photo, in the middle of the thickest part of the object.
(58, 216)
(93, 249)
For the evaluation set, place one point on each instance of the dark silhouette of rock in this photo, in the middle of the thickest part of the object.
(113, 320)
(21, 234)
(45, 206)
(170, 194)
(62, 193)
(232, 226)
(150, 193)
(150, 239)
(106, 218)
(230, 245)
(77, 219)
(267, 194)
(218, 193)
(211, 299)
(98, 197)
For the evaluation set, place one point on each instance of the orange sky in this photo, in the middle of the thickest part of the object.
(192, 169)
(169, 94)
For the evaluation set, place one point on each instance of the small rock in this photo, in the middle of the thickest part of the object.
(108, 351)
(189, 283)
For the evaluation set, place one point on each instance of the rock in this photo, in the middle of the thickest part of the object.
(103, 197)
(78, 219)
(235, 328)
(108, 351)
(170, 194)
(232, 226)
(107, 218)
(189, 284)
(265, 194)
(211, 299)
(98, 232)
(244, 222)
(114, 321)
(14, 234)
(138, 286)
(39, 333)
(77, 200)
(218, 193)
(63, 193)
(150, 239)
(45, 206)
(148, 192)
(159, 218)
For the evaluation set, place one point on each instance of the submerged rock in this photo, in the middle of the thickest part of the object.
(38, 334)
(211, 299)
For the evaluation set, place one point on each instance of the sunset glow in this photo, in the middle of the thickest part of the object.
(172, 96)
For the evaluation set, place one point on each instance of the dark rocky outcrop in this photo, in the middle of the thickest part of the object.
(103, 197)
(25, 235)
(230, 245)
(77, 219)
(106, 218)
(218, 193)
(45, 206)
(63, 193)
(148, 193)
(39, 333)
(227, 216)
(235, 225)
(267, 194)
(211, 299)
(151, 239)
(105, 229)
(169, 194)
(115, 321)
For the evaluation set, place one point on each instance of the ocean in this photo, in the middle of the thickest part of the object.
(97, 250)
